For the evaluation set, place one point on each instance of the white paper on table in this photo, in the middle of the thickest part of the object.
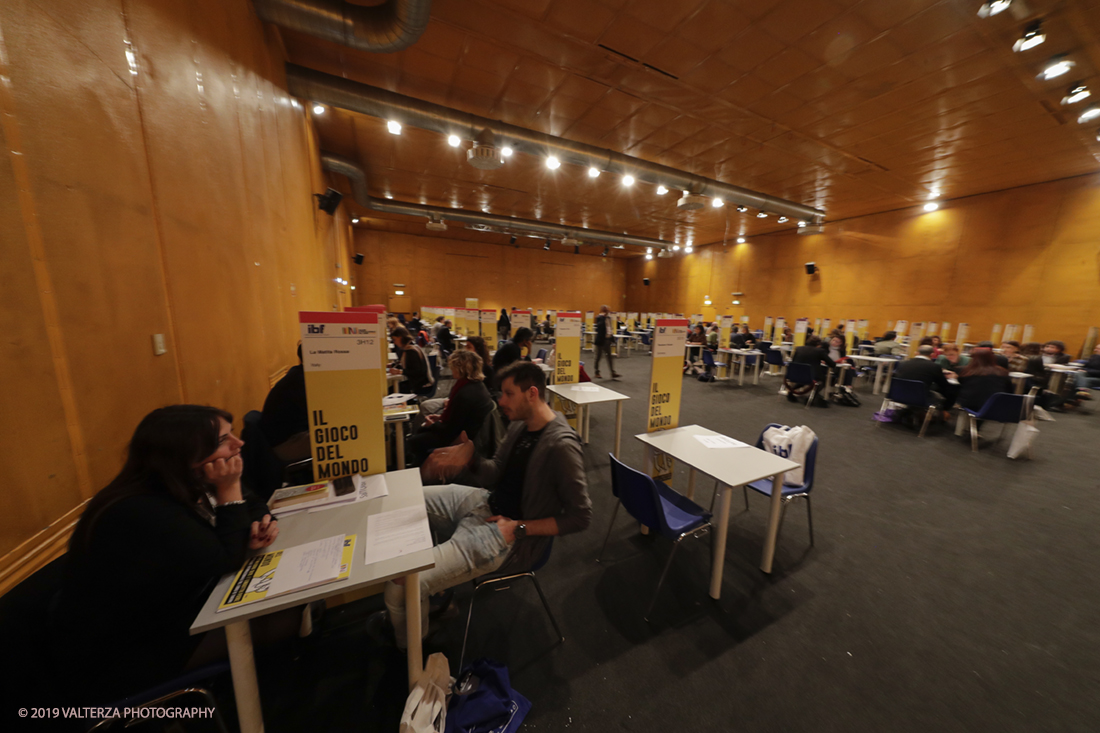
(306, 565)
(720, 441)
(395, 533)
(372, 487)
(587, 388)
(397, 399)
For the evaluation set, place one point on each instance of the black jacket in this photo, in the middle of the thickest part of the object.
(974, 391)
(466, 411)
(602, 329)
(814, 356)
(414, 365)
(923, 370)
(1092, 366)
(445, 339)
(285, 412)
(507, 354)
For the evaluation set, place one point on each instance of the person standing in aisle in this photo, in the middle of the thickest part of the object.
(604, 339)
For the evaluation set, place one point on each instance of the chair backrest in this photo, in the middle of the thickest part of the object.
(708, 358)
(800, 373)
(635, 490)
(645, 339)
(1003, 407)
(541, 354)
(908, 392)
(773, 356)
(763, 345)
(811, 457)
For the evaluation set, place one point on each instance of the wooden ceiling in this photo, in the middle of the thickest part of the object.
(851, 107)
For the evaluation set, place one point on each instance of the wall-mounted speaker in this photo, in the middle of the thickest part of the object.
(645, 281)
(811, 268)
(358, 258)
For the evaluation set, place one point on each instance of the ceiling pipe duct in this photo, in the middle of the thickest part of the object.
(334, 91)
(392, 26)
(358, 179)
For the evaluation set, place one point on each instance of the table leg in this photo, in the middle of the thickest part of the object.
(587, 425)
(246, 689)
(878, 378)
(773, 523)
(722, 529)
(412, 627)
(828, 383)
(741, 359)
(618, 426)
(399, 442)
(691, 484)
(759, 360)
(889, 378)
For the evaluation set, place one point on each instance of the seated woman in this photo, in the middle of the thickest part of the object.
(934, 342)
(477, 345)
(814, 354)
(697, 336)
(412, 364)
(951, 360)
(147, 552)
(712, 337)
(468, 405)
(981, 379)
(838, 352)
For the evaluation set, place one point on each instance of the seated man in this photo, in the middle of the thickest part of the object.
(535, 488)
(888, 345)
(814, 354)
(412, 363)
(512, 351)
(285, 421)
(921, 368)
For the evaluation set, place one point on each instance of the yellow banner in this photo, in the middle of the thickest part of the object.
(471, 304)
(945, 332)
(489, 328)
(850, 336)
(861, 328)
(666, 380)
(1029, 336)
(520, 319)
(915, 336)
(963, 335)
(567, 348)
(343, 392)
(800, 327)
(996, 337)
(1010, 333)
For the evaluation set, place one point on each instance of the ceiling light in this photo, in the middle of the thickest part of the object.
(688, 250)
(318, 109)
(706, 300)
(355, 220)
(803, 223)
(593, 172)
(453, 141)
(992, 7)
(389, 195)
(553, 163)
(661, 190)
(717, 202)
(742, 209)
(675, 248)
(737, 302)
(506, 151)
(1032, 37)
(1089, 114)
(628, 180)
(649, 250)
(782, 220)
(394, 127)
(931, 206)
(740, 240)
(1057, 66)
(1076, 93)
(353, 287)
(398, 292)
(761, 215)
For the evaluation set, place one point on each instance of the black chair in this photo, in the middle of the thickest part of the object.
(263, 471)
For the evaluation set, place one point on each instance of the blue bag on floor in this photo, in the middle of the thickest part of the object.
(483, 701)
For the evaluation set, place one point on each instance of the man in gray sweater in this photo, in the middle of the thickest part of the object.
(534, 488)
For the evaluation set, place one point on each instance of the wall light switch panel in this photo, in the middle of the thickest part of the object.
(158, 344)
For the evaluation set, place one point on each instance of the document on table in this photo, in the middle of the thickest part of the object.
(366, 487)
(720, 441)
(395, 533)
(586, 388)
(307, 565)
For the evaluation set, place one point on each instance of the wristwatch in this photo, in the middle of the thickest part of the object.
(521, 531)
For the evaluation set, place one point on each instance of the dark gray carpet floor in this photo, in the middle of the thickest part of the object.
(947, 591)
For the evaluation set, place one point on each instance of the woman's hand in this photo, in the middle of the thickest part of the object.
(263, 533)
(225, 475)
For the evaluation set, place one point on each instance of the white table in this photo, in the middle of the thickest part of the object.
(880, 362)
(741, 355)
(297, 529)
(621, 345)
(730, 467)
(1020, 380)
(583, 396)
(1058, 375)
(398, 418)
(392, 381)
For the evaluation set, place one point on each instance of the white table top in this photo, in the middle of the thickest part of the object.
(574, 394)
(730, 466)
(302, 527)
(743, 352)
(622, 335)
(1019, 375)
(1063, 368)
(861, 357)
(394, 377)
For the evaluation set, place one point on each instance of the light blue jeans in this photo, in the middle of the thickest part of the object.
(468, 547)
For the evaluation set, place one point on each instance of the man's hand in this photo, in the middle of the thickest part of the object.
(394, 370)
(263, 533)
(432, 419)
(445, 463)
(506, 526)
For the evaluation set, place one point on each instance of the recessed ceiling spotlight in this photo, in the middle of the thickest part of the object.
(649, 257)
(717, 202)
(761, 215)
(628, 180)
(593, 172)
(506, 151)
(661, 190)
(737, 302)
(1057, 66)
(1089, 114)
(353, 287)
(1032, 37)
(1076, 93)
(453, 140)
(803, 223)
(931, 206)
(394, 127)
(355, 220)
(389, 195)
(992, 7)
(688, 250)
(675, 248)
(318, 109)
(742, 209)
(552, 163)
(782, 220)
(649, 250)
(740, 240)
(706, 300)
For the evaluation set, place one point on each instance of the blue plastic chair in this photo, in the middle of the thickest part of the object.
(912, 393)
(709, 363)
(1003, 407)
(657, 506)
(493, 579)
(801, 375)
(541, 354)
(787, 493)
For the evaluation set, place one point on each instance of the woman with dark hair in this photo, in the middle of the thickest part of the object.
(148, 550)
(477, 345)
(981, 379)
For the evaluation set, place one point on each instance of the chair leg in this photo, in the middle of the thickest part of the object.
(661, 582)
(810, 519)
(466, 635)
(927, 418)
(546, 605)
(745, 491)
(973, 434)
(1004, 427)
(810, 399)
(607, 536)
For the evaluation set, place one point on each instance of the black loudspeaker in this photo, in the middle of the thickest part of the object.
(329, 200)
(358, 258)
(645, 281)
(811, 268)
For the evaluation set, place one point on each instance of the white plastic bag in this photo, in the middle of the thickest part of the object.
(426, 708)
(1022, 439)
(792, 444)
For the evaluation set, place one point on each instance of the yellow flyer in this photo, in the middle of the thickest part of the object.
(666, 379)
(253, 581)
(344, 389)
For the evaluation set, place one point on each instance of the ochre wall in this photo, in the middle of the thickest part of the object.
(441, 272)
(168, 195)
(1026, 255)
